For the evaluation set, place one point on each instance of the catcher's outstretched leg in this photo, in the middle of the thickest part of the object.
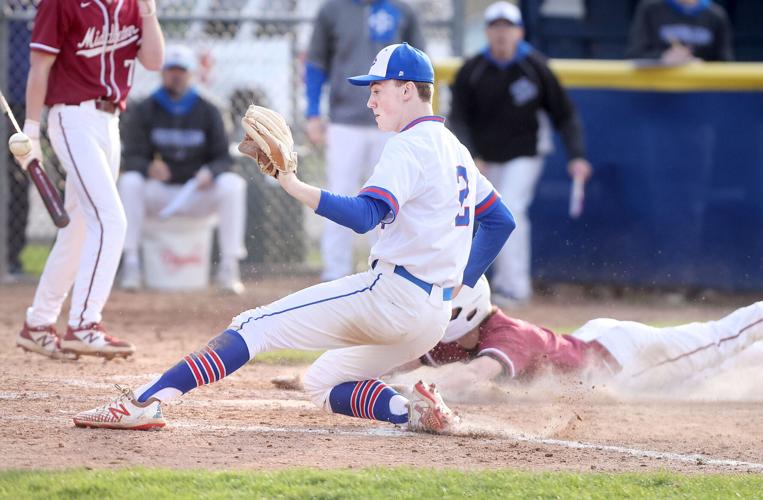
(141, 410)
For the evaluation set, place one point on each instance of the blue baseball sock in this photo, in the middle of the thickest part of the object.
(221, 356)
(372, 399)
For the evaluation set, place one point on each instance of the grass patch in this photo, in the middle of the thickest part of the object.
(369, 483)
(33, 257)
(288, 357)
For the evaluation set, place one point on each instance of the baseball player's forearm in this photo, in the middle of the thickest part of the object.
(301, 191)
(151, 52)
(573, 136)
(37, 83)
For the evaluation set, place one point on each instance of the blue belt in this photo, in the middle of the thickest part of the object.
(447, 293)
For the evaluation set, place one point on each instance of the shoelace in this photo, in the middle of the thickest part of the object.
(124, 394)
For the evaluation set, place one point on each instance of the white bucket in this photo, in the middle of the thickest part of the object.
(177, 252)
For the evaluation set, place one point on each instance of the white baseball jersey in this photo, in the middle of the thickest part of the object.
(420, 169)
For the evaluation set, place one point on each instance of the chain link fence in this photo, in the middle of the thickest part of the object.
(250, 51)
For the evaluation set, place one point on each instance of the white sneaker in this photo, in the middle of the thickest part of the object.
(427, 412)
(229, 278)
(42, 340)
(123, 413)
(92, 340)
(131, 278)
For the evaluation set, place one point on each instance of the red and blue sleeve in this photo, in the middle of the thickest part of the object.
(360, 213)
(386, 196)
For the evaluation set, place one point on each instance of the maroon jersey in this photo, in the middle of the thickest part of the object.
(520, 347)
(95, 43)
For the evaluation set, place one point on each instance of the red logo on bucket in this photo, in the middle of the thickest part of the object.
(176, 262)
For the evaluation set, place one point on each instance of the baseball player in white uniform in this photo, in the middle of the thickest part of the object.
(82, 64)
(426, 192)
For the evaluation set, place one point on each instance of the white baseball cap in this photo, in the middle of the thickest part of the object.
(503, 11)
(179, 56)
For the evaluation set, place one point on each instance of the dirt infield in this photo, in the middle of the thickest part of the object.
(244, 423)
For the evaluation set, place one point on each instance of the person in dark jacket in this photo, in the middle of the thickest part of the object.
(175, 140)
(500, 99)
(680, 31)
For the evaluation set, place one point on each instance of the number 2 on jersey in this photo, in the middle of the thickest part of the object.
(462, 219)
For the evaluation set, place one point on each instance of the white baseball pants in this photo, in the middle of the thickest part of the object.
(371, 322)
(516, 181)
(86, 252)
(227, 197)
(655, 357)
(351, 153)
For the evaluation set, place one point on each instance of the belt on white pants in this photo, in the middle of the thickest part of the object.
(430, 289)
(100, 104)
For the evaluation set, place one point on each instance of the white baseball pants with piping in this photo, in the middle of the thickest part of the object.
(655, 357)
(86, 253)
(370, 323)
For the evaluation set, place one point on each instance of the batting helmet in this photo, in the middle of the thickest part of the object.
(470, 307)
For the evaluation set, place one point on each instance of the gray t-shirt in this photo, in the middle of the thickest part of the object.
(347, 36)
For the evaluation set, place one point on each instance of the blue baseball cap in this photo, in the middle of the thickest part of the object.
(398, 62)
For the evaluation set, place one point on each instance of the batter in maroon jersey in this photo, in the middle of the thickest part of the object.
(83, 60)
(632, 354)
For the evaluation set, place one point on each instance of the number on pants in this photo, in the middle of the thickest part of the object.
(462, 219)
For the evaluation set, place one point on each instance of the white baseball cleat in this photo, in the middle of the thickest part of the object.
(92, 340)
(42, 340)
(124, 413)
(427, 412)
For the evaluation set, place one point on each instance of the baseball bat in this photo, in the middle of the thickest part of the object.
(577, 196)
(49, 194)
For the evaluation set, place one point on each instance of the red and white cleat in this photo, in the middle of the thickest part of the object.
(42, 340)
(427, 412)
(92, 340)
(124, 413)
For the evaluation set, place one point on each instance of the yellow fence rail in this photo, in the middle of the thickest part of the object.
(627, 75)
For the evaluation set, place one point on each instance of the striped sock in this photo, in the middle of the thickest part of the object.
(372, 399)
(222, 356)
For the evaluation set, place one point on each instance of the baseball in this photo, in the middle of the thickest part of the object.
(20, 144)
